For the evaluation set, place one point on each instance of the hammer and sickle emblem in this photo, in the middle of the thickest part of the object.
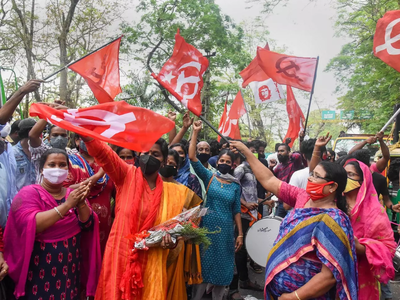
(286, 68)
(226, 128)
(390, 40)
(98, 76)
(182, 79)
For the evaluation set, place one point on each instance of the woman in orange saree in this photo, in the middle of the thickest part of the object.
(142, 201)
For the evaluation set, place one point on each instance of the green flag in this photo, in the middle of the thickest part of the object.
(2, 92)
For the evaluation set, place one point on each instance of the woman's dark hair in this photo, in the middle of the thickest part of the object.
(179, 145)
(46, 154)
(121, 148)
(337, 173)
(331, 153)
(164, 147)
(175, 154)
(227, 152)
(358, 169)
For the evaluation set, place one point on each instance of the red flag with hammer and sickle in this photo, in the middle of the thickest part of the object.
(182, 74)
(117, 123)
(296, 117)
(387, 39)
(101, 72)
(229, 124)
(295, 71)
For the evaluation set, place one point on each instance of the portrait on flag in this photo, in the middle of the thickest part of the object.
(266, 91)
(182, 74)
(387, 39)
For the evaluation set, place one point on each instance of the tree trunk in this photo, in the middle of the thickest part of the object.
(65, 94)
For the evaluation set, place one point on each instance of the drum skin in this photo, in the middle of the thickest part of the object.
(260, 239)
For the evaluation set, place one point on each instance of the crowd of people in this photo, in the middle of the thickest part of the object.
(72, 207)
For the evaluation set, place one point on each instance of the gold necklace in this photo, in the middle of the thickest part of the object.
(222, 185)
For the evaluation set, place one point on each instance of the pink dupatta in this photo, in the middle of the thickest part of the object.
(372, 228)
(20, 235)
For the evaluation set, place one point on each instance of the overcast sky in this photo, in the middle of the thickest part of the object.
(306, 29)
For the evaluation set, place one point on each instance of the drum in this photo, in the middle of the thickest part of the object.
(260, 239)
(396, 259)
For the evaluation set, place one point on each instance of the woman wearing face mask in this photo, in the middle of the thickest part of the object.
(51, 236)
(314, 256)
(184, 175)
(126, 155)
(373, 234)
(83, 168)
(223, 199)
(143, 200)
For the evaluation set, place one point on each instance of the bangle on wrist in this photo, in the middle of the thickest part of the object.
(298, 298)
(240, 236)
(58, 212)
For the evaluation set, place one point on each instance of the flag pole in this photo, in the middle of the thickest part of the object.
(248, 117)
(312, 92)
(71, 63)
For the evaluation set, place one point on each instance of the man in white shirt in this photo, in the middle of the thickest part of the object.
(300, 178)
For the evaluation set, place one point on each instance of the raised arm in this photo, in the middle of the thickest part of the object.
(114, 166)
(370, 140)
(34, 135)
(10, 106)
(321, 142)
(187, 122)
(262, 173)
(172, 133)
(382, 163)
(193, 142)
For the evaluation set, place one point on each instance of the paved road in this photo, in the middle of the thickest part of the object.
(260, 279)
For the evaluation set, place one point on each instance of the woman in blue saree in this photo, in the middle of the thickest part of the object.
(314, 254)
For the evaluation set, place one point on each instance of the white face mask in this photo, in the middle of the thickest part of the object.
(55, 175)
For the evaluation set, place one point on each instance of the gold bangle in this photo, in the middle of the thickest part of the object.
(318, 156)
(240, 236)
(295, 292)
(56, 209)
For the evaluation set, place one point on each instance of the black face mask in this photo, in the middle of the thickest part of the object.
(261, 155)
(203, 157)
(224, 168)
(168, 171)
(283, 158)
(149, 164)
(181, 161)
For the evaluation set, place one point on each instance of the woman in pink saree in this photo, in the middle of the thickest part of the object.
(52, 236)
(375, 243)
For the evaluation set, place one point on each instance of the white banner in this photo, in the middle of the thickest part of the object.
(266, 91)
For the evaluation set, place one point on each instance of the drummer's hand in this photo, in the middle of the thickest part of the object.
(251, 206)
(167, 242)
(239, 243)
(270, 203)
(396, 207)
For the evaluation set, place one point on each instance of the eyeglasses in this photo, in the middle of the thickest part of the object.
(312, 174)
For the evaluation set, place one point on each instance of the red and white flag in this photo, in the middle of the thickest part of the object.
(182, 74)
(117, 123)
(253, 72)
(387, 39)
(296, 117)
(295, 71)
(229, 124)
(266, 91)
(101, 72)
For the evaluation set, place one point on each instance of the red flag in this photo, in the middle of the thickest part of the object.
(296, 117)
(118, 123)
(387, 37)
(229, 124)
(101, 72)
(237, 109)
(253, 72)
(182, 74)
(295, 71)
